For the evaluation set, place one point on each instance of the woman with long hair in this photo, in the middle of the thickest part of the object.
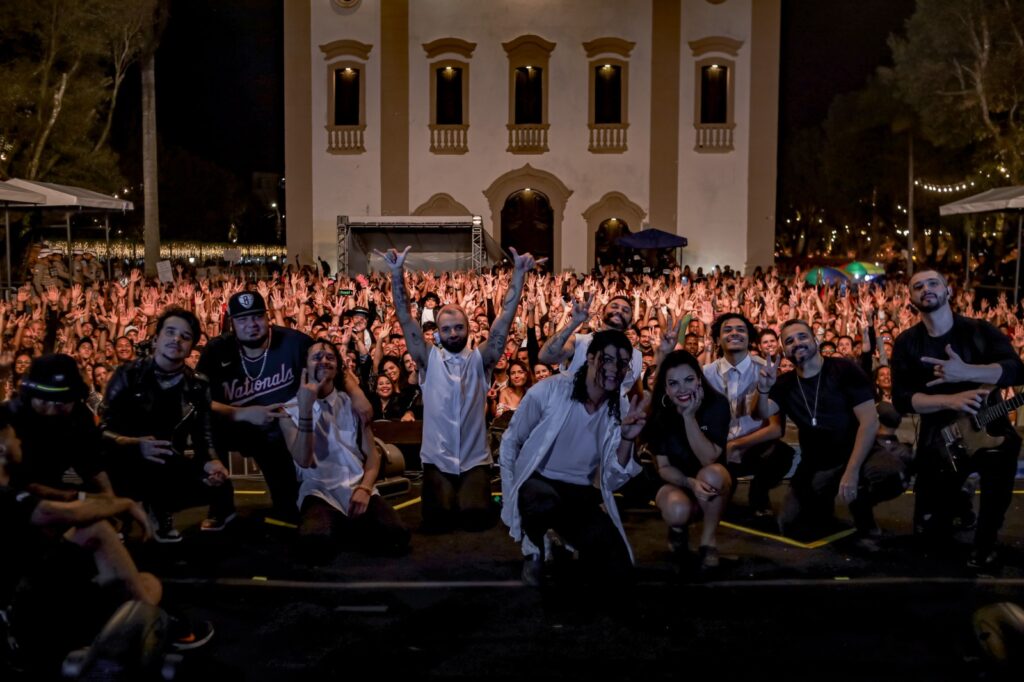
(386, 401)
(519, 380)
(686, 431)
(406, 395)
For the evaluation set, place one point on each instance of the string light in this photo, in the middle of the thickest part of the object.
(169, 250)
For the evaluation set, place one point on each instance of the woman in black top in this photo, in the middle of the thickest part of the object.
(387, 404)
(686, 432)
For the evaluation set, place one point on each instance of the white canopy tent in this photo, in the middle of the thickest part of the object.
(12, 195)
(1000, 199)
(75, 199)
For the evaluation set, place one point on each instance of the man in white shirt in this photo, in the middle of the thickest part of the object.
(564, 344)
(566, 451)
(336, 462)
(454, 380)
(754, 447)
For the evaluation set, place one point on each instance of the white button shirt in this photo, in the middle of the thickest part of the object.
(738, 384)
(454, 409)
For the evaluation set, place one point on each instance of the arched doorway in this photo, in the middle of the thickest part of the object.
(527, 223)
(606, 250)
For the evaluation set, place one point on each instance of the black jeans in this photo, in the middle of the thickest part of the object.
(574, 512)
(322, 528)
(451, 501)
(810, 504)
(768, 463)
(937, 488)
(175, 485)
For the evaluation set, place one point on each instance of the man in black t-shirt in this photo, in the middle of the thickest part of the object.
(832, 403)
(253, 372)
(939, 368)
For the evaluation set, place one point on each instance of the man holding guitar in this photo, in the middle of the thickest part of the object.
(945, 368)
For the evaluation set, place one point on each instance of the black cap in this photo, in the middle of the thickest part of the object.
(55, 378)
(361, 311)
(246, 303)
(888, 416)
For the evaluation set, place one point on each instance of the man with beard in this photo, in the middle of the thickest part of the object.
(152, 408)
(454, 381)
(563, 344)
(938, 369)
(566, 451)
(832, 403)
(253, 372)
(754, 447)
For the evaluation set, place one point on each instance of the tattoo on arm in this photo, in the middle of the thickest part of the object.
(413, 332)
(553, 350)
(499, 330)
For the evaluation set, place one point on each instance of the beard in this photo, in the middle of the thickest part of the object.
(941, 299)
(809, 351)
(454, 345)
(615, 321)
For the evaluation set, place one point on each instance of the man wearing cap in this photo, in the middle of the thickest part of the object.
(57, 432)
(253, 371)
(151, 409)
(455, 380)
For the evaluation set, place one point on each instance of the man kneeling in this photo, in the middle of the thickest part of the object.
(337, 463)
(564, 454)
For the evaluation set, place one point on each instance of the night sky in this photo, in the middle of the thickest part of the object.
(220, 74)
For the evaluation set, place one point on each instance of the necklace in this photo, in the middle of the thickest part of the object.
(814, 414)
(262, 356)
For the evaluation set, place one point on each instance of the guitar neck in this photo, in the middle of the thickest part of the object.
(990, 414)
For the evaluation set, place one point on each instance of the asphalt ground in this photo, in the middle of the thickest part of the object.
(455, 608)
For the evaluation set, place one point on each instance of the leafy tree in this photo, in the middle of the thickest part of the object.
(959, 66)
(63, 63)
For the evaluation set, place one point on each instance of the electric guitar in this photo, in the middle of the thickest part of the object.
(968, 434)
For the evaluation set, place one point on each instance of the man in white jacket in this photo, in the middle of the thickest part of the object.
(566, 451)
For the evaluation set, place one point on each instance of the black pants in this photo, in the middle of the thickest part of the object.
(810, 504)
(278, 469)
(451, 501)
(574, 512)
(175, 485)
(322, 528)
(938, 487)
(768, 463)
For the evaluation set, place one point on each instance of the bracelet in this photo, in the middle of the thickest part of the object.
(763, 392)
(628, 440)
(368, 489)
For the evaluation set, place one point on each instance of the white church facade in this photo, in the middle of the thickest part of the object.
(561, 124)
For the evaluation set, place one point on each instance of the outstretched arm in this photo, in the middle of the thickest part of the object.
(412, 331)
(558, 348)
(499, 330)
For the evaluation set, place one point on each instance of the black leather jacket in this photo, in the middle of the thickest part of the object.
(128, 409)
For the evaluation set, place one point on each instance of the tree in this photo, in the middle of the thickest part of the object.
(959, 66)
(154, 25)
(63, 63)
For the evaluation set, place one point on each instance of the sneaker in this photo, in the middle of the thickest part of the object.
(982, 559)
(164, 531)
(533, 571)
(186, 636)
(215, 523)
(708, 557)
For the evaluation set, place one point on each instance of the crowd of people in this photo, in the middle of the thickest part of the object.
(569, 383)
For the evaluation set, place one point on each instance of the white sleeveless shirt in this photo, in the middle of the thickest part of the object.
(454, 409)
